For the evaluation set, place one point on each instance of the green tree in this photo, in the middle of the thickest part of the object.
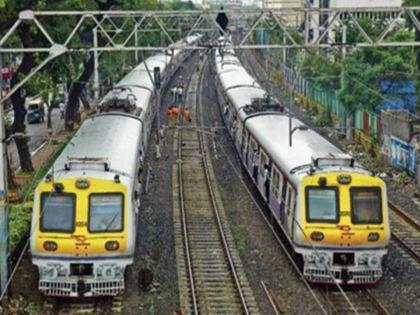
(365, 69)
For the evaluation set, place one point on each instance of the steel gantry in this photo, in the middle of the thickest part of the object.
(118, 30)
(109, 31)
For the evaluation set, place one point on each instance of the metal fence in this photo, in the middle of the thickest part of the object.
(367, 125)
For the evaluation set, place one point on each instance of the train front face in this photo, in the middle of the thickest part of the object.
(81, 242)
(345, 230)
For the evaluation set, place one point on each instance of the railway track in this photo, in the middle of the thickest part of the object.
(405, 231)
(362, 302)
(103, 306)
(211, 277)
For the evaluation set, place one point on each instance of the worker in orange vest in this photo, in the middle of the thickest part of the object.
(187, 115)
(172, 114)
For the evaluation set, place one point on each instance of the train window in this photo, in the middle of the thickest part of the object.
(275, 183)
(263, 161)
(281, 183)
(292, 199)
(322, 204)
(254, 145)
(289, 199)
(57, 212)
(105, 212)
(366, 205)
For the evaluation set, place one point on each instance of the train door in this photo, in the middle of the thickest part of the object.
(253, 158)
(290, 201)
(283, 190)
(244, 147)
(238, 134)
(276, 179)
(263, 180)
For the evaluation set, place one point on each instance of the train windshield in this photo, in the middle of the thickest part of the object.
(105, 212)
(366, 205)
(57, 212)
(322, 204)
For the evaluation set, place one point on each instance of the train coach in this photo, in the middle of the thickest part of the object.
(333, 212)
(85, 210)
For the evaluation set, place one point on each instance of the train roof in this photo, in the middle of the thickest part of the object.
(271, 128)
(272, 132)
(113, 138)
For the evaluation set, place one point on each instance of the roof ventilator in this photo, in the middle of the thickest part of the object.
(267, 103)
(86, 161)
(340, 159)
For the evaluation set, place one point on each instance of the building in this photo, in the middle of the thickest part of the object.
(317, 20)
(281, 4)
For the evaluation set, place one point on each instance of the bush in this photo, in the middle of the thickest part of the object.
(19, 221)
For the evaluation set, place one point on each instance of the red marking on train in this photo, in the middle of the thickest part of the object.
(345, 228)
(347, 233)
(80, 240)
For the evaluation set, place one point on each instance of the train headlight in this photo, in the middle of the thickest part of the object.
(109, 272)
(50, 272)
(82, 183)
(363, 260)
(309, 258)
(322, 260)
(373, 237)
(112, 245)
(344, 179)
(317, 236)
(50, 246)
(374, 261)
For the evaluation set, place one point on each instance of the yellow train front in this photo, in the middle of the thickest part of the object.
(344, 231)
(85, 210)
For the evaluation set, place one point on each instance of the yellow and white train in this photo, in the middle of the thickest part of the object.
(85, 210)
(333, 212)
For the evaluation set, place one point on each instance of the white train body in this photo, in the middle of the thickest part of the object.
(85, 210)
(318, 195)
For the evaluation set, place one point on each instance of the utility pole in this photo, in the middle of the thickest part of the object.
(347, 117)
(95, 64)
(284, 48)
(136, 43)
(4, 213)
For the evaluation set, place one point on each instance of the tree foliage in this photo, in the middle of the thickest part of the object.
(366, 68)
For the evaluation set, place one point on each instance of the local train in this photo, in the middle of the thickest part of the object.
(85, 210)
(333, 211)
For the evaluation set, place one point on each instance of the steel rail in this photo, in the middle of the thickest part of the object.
(340, 306)
(407, 217)
(213, 200)
(413, 224)
(375, 301)
(184, 226)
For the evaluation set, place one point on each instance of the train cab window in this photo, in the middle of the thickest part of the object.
(322, 204)
(105, 212)
(57, 212)
(366, 205)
